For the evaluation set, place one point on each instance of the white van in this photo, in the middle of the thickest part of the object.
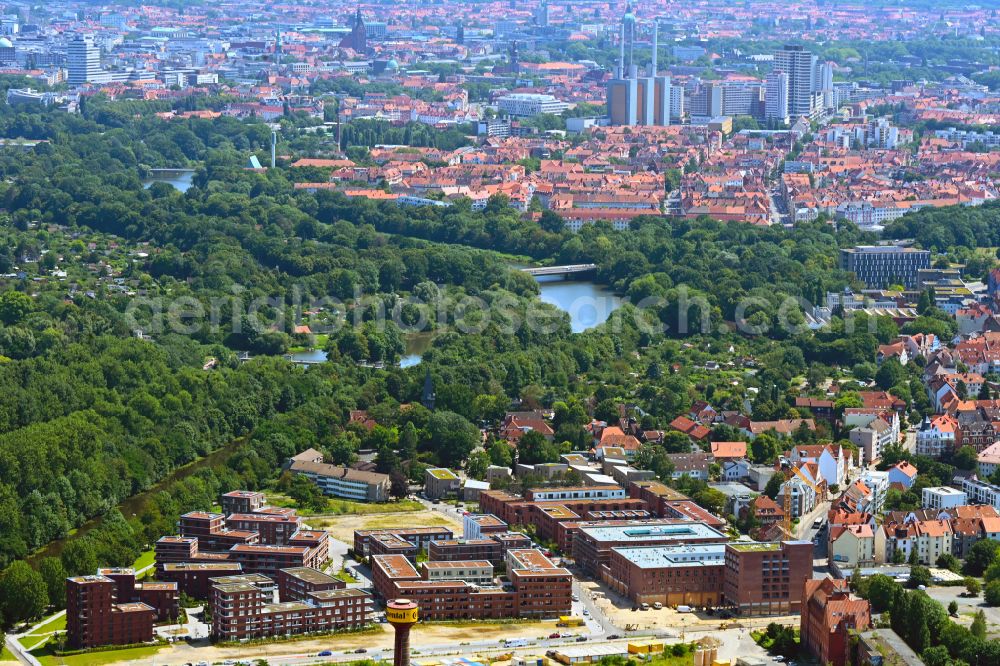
(683, 609)
(657, 605)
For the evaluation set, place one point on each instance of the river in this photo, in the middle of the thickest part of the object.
(137, 503)
(181, 179)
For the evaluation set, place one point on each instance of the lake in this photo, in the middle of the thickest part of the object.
(416, 345)
(587, 303)
(179, 178)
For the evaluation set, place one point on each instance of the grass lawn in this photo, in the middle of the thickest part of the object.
(340, 507)
(671, 660)
(5, 655)
(347, 507)
(55, 624)
(145, 560)
(345, 576)
(98, 658)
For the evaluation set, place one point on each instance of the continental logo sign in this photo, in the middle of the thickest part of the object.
(401, 615)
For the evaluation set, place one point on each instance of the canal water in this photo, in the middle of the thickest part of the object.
(181, 179)
(137, 503)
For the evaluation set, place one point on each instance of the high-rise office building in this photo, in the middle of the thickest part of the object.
(776, 97)
(824, 85)
(800, 66)
(83, 60)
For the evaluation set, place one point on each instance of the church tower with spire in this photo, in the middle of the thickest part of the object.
(427, 396)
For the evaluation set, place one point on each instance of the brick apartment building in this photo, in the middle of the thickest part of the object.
(273, 529)
(541, 589)
(267, 560)
(242, 501)
(390, 544)
(194, 578)
(162, 596)
(515, 510)
(93, 618)
(457, 550)
(766, 578)
(262, 540)
(829, 615)
(243, 610)
(296, 584)
(537, 587)
(418, 536)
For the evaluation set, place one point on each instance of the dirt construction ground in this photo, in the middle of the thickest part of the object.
(423, 634)
(619, 611)
(342, 527)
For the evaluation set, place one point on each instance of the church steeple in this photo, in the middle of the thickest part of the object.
(427, 397)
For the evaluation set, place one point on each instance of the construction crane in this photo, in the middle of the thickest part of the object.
(788, 496)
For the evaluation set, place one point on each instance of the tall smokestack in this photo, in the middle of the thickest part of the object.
(274, 147)
(621, 54)
(652, 61)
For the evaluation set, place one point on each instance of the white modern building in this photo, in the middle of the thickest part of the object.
(530, 104)
(942, 497)
(981, 492)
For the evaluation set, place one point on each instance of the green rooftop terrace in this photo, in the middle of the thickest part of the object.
(748, 547)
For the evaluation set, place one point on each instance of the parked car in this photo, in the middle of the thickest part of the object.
(613, 637)
(581, 639)
(555, 635)
(325, 653)
(361, 651)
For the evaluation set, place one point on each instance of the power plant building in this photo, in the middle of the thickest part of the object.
(634, 99)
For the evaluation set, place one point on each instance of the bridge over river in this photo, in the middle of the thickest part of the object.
(571, 270)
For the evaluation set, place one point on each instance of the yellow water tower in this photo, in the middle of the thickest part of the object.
(401, 614)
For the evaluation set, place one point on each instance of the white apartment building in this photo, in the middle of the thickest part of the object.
(981, 492)
(942, 497)
(530, 104)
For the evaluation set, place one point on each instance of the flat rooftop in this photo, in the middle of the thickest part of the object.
(263, 518)
(559, 512)
(944, 490)
(309, 575)
(442, 473)
(202, 566)
(652, 531)
(395, 566)
(486, 520)
(347, 593)
(460, 564)
(658, 557)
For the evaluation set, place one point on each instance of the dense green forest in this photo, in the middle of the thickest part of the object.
(92, 414)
